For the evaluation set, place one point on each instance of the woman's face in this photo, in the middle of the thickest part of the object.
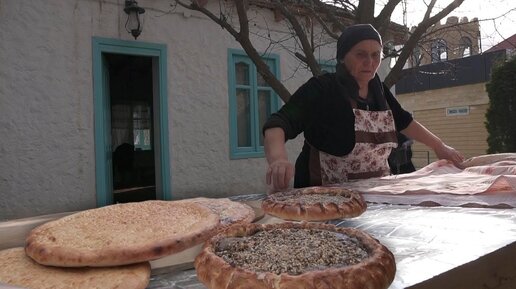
(363, 60)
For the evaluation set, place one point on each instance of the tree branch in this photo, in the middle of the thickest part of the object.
(301, 35)
(243, 38)
(382, 21)
(365, 11)
(220, 21)
(331, 16)
(324, 25)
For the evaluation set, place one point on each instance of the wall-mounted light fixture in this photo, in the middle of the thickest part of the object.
(134, 24)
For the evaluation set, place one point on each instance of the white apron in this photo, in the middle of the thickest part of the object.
(375, 137)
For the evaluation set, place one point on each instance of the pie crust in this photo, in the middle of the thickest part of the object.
(121, 234)
(315, 204)
(19, 270)
(376, 271)
(230, 212)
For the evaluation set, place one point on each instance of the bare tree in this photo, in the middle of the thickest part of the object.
(332, 16)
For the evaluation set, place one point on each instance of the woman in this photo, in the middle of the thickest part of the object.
(349, 120)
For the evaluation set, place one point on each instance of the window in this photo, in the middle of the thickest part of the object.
(439, 51)
(251, 102)
(416, 56)
(132, 123)
(327, 66)
(142, 124)
(465, 46)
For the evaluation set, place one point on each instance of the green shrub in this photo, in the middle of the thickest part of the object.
(501, 114)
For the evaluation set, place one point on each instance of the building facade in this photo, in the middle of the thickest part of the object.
(450, 99)
(450, 40)
(89, 116)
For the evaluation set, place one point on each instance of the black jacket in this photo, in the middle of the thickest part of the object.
(321, 109)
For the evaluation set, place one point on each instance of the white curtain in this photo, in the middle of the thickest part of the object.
(121, 125)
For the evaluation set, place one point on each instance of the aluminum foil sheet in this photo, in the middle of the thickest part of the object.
(426, 241)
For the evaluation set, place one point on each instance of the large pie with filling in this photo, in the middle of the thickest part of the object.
(121, 234)
(315, 204)
(294, 256)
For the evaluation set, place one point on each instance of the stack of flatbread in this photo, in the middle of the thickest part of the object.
(110, 247)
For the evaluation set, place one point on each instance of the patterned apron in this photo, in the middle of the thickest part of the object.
(375, 137)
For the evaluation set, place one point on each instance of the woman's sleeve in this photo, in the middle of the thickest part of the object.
(402, 118)
(296, 114)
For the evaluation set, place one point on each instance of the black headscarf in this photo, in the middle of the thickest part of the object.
(347, 84)
(351, 35)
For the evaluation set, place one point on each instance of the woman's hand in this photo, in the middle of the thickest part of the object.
(279, 174)
(280, 170)
(447, 152)
(421, 134)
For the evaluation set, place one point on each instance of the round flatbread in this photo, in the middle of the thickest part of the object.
(19, 270)
(230, 212)
(121, 234)
(315, 204)
(294, 255)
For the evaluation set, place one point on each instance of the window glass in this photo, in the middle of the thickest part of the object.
(243, 117)
(142, 126)
(465, 46)
(327, 66)
(264, 109)
(439, 51)
(242, 73)
(260, 80)
(131, 122)
(251, 102)
(416, 56)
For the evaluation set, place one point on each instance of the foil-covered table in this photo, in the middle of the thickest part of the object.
(434, 247)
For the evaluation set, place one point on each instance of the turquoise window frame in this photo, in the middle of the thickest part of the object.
(255, 150)
(328, 65)
(103, 176)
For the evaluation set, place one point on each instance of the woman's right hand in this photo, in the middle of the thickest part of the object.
(279, 174)
(447, 152)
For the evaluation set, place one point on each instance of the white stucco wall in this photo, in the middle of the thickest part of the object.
(46, 120)
(47, 152)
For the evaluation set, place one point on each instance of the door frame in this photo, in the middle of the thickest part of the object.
(103, 150)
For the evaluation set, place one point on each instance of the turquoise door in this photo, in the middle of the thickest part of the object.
(102, 47)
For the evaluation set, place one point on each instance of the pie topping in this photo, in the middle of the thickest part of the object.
(311, 198)
(315, 204)
(292, 251)
(294, 255)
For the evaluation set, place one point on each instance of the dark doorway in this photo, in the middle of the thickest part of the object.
(132, 130)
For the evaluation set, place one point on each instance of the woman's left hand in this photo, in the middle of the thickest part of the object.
(451, 154)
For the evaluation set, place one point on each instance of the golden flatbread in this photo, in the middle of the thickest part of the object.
(230, 212)
(121, 234)
(315, 204)
(294, 255)
(19, 270)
